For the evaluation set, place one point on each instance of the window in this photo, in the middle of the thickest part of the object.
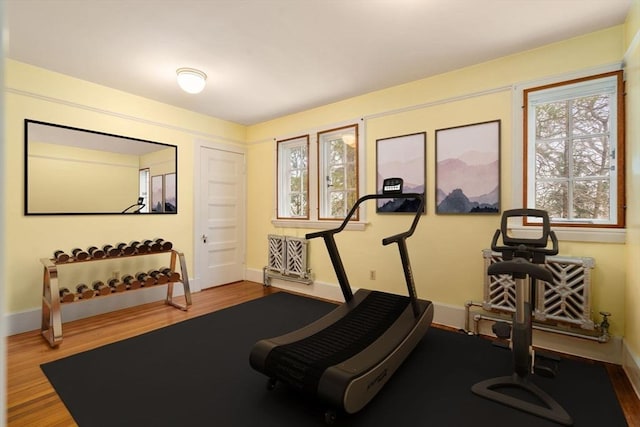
(574, 151)
(338, 172)
(318, 175)
(143, 192)
(293, 176)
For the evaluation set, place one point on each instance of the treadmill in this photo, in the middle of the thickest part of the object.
(346, 357)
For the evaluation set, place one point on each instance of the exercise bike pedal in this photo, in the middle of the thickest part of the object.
(545, 365)
(502, 330)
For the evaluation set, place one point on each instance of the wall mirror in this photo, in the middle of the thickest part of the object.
(71, 171)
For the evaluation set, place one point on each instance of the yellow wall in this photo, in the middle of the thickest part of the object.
(39, 94)
(71, 179)
(159, 162)
(446, 251)
(632, 294)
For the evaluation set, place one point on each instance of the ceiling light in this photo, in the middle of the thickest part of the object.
(191, 80)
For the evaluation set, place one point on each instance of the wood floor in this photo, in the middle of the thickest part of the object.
(31, 401)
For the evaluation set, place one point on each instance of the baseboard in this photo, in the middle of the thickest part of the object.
(30, 320)
(444, 314)
(631, 366)
(610, 351)
(316, 289)
(454, 316)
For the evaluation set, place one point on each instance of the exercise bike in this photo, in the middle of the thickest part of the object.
(523, 259)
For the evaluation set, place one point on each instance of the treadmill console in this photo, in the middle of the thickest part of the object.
(392, 186)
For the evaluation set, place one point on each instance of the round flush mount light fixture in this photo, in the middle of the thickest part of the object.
(191, 80)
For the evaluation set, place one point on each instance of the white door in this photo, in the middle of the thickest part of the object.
(222, 205)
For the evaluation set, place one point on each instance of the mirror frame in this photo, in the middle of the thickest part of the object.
(121, 137)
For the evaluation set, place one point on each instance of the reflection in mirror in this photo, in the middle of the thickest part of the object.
(77, 171)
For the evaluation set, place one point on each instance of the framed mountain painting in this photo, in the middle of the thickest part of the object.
(468, 169)
(401, 157)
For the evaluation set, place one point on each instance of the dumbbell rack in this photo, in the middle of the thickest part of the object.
(51, 328)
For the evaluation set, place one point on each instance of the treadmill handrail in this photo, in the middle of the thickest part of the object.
(377, 196)
(399, 238)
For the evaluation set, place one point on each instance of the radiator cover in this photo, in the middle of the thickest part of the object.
(565, 301)
(287, 259)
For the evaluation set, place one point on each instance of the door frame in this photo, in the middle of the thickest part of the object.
(199, 252)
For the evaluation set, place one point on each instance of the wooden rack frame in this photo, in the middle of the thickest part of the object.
(51, 328)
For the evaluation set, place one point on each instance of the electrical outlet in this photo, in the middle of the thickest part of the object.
(372, 275)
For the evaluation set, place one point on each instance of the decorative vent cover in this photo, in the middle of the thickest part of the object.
(566, 300)
(287, 259)
(276, 253)
(296, 258)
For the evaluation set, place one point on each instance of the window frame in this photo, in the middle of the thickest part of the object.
(618, 222)
(282, 173)
(324, 165)
(144, 188)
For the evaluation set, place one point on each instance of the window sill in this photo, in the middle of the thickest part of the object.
(317, 225)
(570, 234)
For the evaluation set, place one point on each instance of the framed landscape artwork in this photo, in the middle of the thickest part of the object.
(401, 157)
(468, 169)
(170, 197)
(157, 190)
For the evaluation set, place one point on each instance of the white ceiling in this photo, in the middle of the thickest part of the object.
(268, 58)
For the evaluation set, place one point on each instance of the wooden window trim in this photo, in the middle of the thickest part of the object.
(279, 188)
(355, 126)
(620, 149)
